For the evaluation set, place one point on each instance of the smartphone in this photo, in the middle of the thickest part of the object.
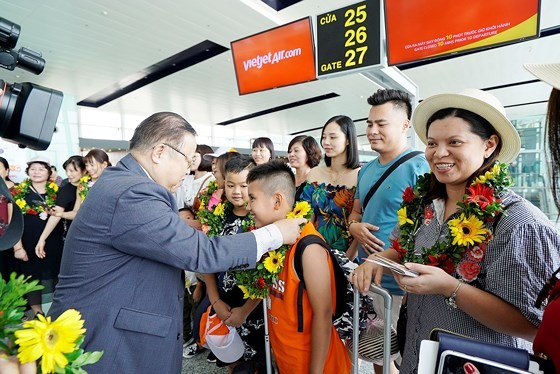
(393, 266)
(42, 204)
(453, 362)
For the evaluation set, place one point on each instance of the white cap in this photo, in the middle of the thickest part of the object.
(218, 152)
(227, 348)
(41, 159)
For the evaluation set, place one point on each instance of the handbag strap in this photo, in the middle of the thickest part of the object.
(202, 184)
(388, 172)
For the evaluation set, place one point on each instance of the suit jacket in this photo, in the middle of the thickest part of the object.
(122, 269)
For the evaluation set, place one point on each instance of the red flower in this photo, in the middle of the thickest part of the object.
(408, 194)
(477, 253)
(468, 270)
(260, 283)
(397, 247)
(442, 261)
(428, 213)
(481, 195)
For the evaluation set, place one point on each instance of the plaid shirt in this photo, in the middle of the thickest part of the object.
(519, 260)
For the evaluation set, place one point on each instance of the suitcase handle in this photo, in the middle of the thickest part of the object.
(388, 302)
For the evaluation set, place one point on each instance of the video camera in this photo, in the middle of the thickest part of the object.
(28, 112)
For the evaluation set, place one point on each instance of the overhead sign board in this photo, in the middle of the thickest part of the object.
(349, 38)
(275, 58)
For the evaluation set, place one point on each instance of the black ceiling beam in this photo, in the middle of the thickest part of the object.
(184, 59)
(319, 128)
(294, 104)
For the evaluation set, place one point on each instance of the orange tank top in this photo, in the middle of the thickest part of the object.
(292, 349)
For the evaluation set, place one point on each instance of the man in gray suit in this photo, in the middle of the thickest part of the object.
(126, 249)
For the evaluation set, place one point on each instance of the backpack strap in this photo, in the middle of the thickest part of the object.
(388, 172)
(339, 276)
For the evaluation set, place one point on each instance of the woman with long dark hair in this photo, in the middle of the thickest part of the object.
(330, 188)
(66, 199)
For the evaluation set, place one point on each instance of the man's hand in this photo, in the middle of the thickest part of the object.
(290, 229)
(361, 231)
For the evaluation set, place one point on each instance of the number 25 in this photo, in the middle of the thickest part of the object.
(360, 15)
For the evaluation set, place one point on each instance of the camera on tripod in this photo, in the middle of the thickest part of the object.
(28, 112)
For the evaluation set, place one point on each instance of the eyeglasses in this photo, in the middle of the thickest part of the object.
(190, 161)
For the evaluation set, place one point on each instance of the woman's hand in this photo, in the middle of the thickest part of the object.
(21, 254)
(222, 309)
(237, 318)
(361, 231)
(40, 248)
(431, 281)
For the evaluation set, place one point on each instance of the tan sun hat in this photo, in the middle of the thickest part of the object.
(479, 102)
(549, 73)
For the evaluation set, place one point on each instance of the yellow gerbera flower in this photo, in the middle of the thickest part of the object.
(467, 231)
(401, 213)
(274, 262)
(54, 186)
(49, 340)
(301, 210)
(21, 203)
(219, 210)
(246, 293)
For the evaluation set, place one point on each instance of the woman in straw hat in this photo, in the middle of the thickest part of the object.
(547, 341)
(479, 270)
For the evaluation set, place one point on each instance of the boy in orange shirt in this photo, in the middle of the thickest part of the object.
(317, 348)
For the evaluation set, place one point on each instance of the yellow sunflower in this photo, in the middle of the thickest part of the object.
(403, 219)
(274, 262)
(49, 340)
(467, 231)
(301, 210)
(219, 210)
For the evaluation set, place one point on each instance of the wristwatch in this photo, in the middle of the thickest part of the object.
(451, 300)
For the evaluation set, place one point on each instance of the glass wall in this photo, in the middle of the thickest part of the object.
(530, 170)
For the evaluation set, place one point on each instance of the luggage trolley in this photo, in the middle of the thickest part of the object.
(388, 302)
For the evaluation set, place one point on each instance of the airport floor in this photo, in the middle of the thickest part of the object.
(198, 364)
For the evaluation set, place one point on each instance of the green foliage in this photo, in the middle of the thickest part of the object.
(12, 307)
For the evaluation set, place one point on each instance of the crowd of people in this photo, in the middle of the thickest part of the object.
(145, 248)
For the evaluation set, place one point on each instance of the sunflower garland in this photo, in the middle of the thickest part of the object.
(466, 243)
(255, 282)
(84, 184)
(21, 190)
(53, 344)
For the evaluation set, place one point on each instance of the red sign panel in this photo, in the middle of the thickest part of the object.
(419, 29)
(275, 58)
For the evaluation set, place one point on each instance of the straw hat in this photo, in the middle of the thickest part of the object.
(549, 73)
(479, 102)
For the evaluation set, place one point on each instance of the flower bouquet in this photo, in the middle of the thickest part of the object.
(255, 282)
(84, 185)
(54, 345)
(465, 246)
(211, 210)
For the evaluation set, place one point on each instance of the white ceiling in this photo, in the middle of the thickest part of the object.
(91, 44)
